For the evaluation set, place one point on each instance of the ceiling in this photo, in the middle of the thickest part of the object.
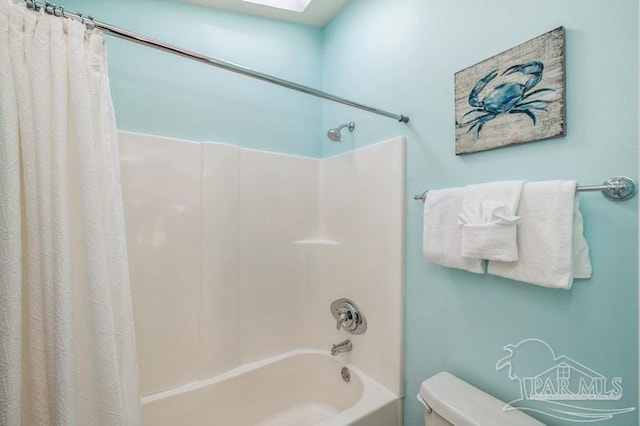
(317, 14)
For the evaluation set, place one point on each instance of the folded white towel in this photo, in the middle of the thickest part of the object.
(507, 191)
(488, 220)
(490, 241)
(550, 240)
(442, 237)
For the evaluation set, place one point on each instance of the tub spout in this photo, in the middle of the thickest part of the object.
(341, 347)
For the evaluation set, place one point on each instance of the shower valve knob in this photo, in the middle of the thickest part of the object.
(348, 316)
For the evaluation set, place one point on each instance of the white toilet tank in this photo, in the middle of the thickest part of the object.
(451, 401)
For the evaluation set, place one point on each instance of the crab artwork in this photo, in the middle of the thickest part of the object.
(511, 98)
(506, 98)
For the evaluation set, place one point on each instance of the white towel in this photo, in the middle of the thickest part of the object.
(581, 258)
(488, 220)
(550, 240)
(442, 238)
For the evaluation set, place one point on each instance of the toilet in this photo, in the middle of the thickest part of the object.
(451, 401)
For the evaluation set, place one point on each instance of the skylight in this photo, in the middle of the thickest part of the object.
(292, 5)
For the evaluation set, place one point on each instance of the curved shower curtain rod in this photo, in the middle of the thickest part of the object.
(59, 11)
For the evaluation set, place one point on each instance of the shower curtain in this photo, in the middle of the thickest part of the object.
(67, 353)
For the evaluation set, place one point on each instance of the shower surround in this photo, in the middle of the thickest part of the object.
(236, 255)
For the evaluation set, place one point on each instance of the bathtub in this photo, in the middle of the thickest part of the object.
(299, 388)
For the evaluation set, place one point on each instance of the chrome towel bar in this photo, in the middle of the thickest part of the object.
(618, 188)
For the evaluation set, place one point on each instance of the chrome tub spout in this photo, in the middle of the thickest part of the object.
(341, 347)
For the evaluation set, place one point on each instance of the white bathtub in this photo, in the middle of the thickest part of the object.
(295, 389)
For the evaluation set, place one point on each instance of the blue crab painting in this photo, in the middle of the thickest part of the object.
(506, 98)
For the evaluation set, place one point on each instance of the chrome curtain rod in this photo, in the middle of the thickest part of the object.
(59, 11)
(618, 188)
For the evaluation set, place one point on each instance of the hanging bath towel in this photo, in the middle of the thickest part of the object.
(551, 245)
(442, 238)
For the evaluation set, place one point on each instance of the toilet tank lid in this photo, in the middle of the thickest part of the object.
(465, 405)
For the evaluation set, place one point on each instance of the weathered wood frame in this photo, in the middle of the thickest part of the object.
(515, 127)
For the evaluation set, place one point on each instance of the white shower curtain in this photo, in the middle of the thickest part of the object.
(67, 353)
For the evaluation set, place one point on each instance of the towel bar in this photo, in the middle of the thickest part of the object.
(618, 188)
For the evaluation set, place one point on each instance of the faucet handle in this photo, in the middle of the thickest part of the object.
(348, 316)
(341, 318)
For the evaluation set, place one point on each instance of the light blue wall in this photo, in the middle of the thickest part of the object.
(158, 93)
(402, 55)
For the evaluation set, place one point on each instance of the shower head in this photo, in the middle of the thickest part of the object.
(335, 135)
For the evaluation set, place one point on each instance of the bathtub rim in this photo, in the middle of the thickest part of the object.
(374, 395)
(251, 366)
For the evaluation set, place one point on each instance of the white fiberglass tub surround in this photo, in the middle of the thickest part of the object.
(236, 256)
(300, 388)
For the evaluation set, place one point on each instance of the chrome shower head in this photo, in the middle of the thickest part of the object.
(335, 135)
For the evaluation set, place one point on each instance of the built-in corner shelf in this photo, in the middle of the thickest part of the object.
(318, 242)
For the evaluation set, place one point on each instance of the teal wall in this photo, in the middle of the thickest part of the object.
(401, 55)
(158, 93)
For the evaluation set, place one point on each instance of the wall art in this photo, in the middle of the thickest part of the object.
(514, 97)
